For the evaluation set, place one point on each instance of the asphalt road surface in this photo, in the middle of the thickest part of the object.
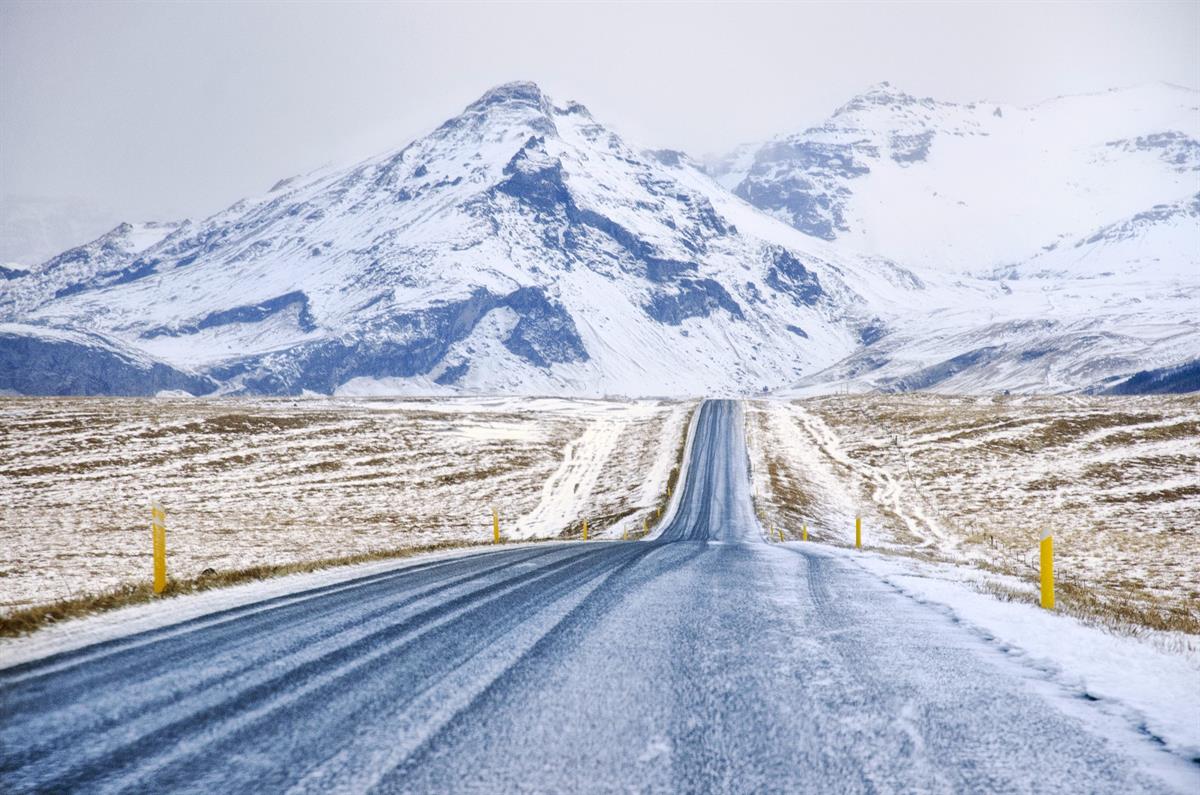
(706, 660)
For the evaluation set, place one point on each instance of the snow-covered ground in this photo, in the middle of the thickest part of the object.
(1137, 681)
(249, 482)
(976, 481)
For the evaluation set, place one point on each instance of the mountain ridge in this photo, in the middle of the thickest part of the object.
(522, 246)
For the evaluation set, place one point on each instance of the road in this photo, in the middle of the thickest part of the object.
(706, 660)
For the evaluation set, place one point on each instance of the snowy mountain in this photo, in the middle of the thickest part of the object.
(967, 187)
(524, 247)
(521, 246)
(35, 360)
(1085, 211)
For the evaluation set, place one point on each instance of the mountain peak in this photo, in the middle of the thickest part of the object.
(517, 92)
(879, 95)
(517, 103)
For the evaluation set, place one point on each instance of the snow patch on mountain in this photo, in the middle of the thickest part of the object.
(78, 268)
(1083, 212)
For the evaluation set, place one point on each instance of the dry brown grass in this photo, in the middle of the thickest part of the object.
(1123, 615)
(276, 481)
(286, 484)
(792, 503)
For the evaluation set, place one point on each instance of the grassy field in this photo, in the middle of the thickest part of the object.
(273, 484)
(977, 480)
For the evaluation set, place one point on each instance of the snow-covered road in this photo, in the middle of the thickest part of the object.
(705, 660)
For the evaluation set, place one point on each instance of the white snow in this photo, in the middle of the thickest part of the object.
(1062, 239)
(1065, 235)
(574, 479)
(413, 228)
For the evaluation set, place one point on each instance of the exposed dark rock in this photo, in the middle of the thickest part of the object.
(546, 333)
(411, 343)
(908, 149)
(1177, 149)
(251, 313)
(1177, 379)
(788, 275)
(693, 298)
(942, 371)
(452, 375)
(872, 332)
(86, 364)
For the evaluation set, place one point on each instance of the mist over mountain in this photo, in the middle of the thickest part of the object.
(972, 187)
(1084, 209)
(35, 228)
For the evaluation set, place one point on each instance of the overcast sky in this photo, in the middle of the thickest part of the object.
(169, 110)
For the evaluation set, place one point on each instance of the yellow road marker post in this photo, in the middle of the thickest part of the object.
(804, 532)
(858, 532)
(585, 529)
(495, 527)
(1047, 570)
(624, 533)
(781, 538)
(158, 538)
(645, 527)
